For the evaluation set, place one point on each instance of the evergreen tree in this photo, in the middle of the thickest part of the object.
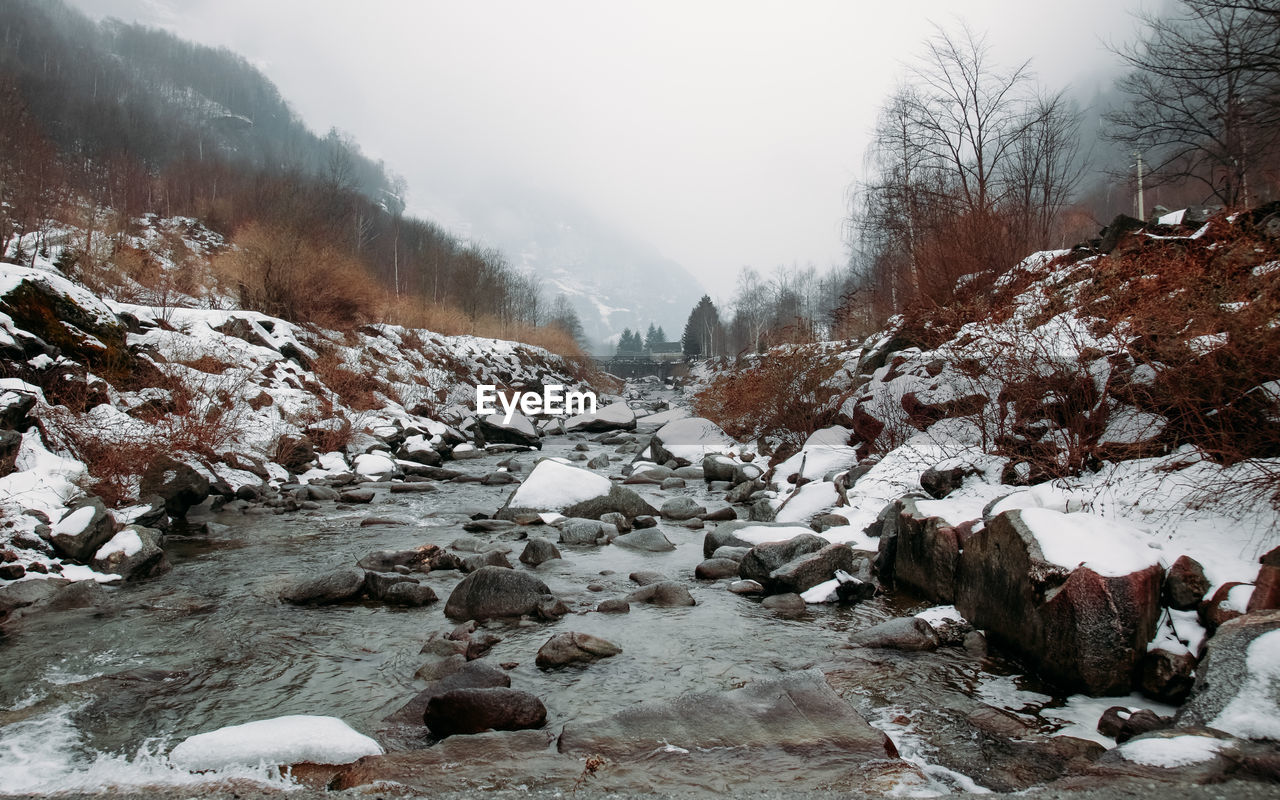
(703, 333)
(651, 338)
(624, 341)
(662, 336)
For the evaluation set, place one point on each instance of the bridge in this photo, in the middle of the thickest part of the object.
(638, 365)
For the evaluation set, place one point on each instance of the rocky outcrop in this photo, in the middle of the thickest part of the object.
(1082, 629)
(1237, 686)
(177, 483)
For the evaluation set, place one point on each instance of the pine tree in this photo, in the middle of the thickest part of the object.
(651, 338)
(624, 341)
(703, 333)
(662, 336)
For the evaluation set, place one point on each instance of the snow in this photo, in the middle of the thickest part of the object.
(816, 461)
(1254, 713)
(663, 417)
(1111, 549)
(808, 501)
(1238, 598)
(371, 464)
(1172, 751)
(694, 437)
(283, 740)
(617, 413)
(1172, 218)
(940, 615)
(74, 523)
(553, 485)
(518, 422)
(127, 542)
(824, 592)
(1128, 425)
(758, 534)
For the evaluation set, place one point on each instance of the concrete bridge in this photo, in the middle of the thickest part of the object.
(638, 365)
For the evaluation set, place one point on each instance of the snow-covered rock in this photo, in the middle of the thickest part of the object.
(284, 740)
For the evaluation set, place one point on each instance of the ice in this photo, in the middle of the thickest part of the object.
(1172, 751)
(283, 740)
(1253, 713)
(552, 485)
(1111, 549)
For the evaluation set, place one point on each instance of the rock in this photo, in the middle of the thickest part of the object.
(1166, 676)
(613, 417)
(425, 558)
(722, 514)
(510, 758)
(1266, 590)
(376, 584)
(295, 453)
(687, 440)
(941, 482)
(357, 496)
(1185, 584)
(464, 711)
(762, 559)
(538, 551)
(28, 593)
(619, 500)
(1237, 687)
(732, 471)
(410, 594)
(730, 552)
(409, 719)
(644, 521)
(785, 603)
(134, 554)
(679, 508)
(10, 444)
(178, 483)
(762, 511)
(927, 553)
(716, 568)
(1139, 722)
(12, 572)
(826, 522)
(614, 605)
(646, 577)
(811, 569)
(743, 491)
(672, 483)
(746, 587)
(903, 633)
(491, 592)
(649, 539)
(664, 594)
(616, 520)
(580, 532)
(1231, 600)
(489, 558)
(494, 429)
(723, 536)
(599, 462)
(794, 724)
(333, 587)
(1076, 626)
(574, 648)
(86, 526)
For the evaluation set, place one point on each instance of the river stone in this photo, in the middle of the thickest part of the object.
(357, 496)
(810, 570)
(746, 587)
(487, 525)
(927, 554)
(1237, 689)
(538, 551)
(509, 758)
(599, 462)
(664, 594)
(493, 429)
(462, 711)
(645, 577)
(649, 539)
(644, 521)
(723, 536)
(796, 719)
(580, 532)
(902, 633)
(619, 499)
(724, 468)
(86, 526)
(471, 675)
(489, 558)
(614, 605)
(1077, 628)
(145, 562)
(491, 592)
(722, 514)
(376, 584)
(616, 520)
(178, 483)
(425, 558)
(716, 568)
(786, 603)
(333, 587)
(763, 559)
(409, 594)
(28, 593)
(672, 483)
(1185, 585)
(1167, 677)
(680, 508)
(572, 648)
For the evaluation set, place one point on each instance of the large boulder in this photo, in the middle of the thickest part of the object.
(613, 417)
(1076, 595)
(574, 648)
(475, 710)
(901, 633)
(717, 467)
(424, 558)
(491, 592)
(618, 500)
(762, 559)
(496, 429)
(574, 531)
(811, 569)
(178, 483)
(1237, 686)
(927, 553)
(687, 441)
(86, 526)
(333, 587)
(538, 551)
(664, 594)
(134, 553)
(649, 539)
(572, 491)
(794, 724)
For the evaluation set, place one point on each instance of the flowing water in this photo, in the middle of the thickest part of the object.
(88, 695)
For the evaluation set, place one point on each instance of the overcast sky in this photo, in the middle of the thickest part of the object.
(723, 133)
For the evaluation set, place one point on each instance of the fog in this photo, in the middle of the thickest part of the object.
(721, 133)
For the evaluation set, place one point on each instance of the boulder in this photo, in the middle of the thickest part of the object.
(1185, 584)
(376, 584)
(333, 587)
(538, 551)
(574, 648)
(619, 499)
(613, 417)
(586, 532)
(494, 429)
(902, 633)
(10, 444)
(723, 535)
(787, 603)
(746, 587)
(941, 482)
(1167, 677)
(465, 711)
(295, 453)
(687, 441)
(717, 467)
(1084, 623)
(762, 559)
(491, 592)
(425, 558)
(811, 569)
(489, 558)
(409, 594)
(134, 554)
(649, 539)
(407, 722)
(1231, 600)
(1266, 589)
(679, 508)
(86, 526)
(716, 568)
(645, 577)
(664, 594)
(614, 605)
(1237, 688)
(927, 553)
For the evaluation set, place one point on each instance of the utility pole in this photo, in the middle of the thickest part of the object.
(1141, 211)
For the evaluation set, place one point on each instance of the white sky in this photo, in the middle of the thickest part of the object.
(723, 133)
